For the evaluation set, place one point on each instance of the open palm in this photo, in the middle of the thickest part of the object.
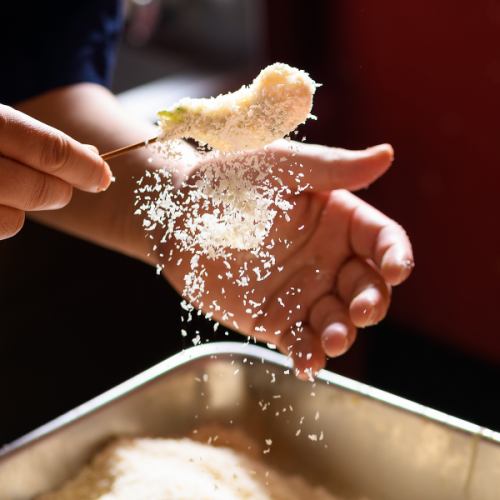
(335, 263)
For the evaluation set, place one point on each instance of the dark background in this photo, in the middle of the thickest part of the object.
(76, 320)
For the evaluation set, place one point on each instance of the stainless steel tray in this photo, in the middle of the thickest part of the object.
(354, 439)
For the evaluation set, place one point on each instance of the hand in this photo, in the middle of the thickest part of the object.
(39, 166)
(335, 277)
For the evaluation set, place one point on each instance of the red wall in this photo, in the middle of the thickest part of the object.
(425, 76)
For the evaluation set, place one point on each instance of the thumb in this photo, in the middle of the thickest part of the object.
(322, 168)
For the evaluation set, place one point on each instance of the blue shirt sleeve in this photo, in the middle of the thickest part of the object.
(45, 45)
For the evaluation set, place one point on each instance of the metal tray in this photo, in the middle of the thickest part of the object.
(354, 439)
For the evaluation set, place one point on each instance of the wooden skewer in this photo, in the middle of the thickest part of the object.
(118, 152)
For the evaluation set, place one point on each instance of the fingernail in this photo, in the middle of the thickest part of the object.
(106, 179)
(92, 148)
(372, 316)
(370, 301)
(385, 147)
(334, 339)
(368, 316)
(397, 272)
(408, 264)
(405, 267)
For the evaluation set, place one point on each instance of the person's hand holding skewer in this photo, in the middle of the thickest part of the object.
(39, 167)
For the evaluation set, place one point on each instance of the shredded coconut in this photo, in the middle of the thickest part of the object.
(162, 469)
(229, 206)
(275, 104)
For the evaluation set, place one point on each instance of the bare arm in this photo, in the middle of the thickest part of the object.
(92, 115)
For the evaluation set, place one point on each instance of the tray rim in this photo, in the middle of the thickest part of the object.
(228, 349)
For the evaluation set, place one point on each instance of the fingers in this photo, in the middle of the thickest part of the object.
(324, 168)
(50, 151)
(11, 222)
(330, 319)
(364, 291)
(303, 288)
(363, 300)
(305, 349)
(26, 189)
(394, 254)
(374, 236)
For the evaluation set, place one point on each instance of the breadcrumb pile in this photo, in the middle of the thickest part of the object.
(181, 469)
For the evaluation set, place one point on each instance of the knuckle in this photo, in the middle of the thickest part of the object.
(49, 193)
(11, 222)
(55, 153)
(40, 194)
(347, 277)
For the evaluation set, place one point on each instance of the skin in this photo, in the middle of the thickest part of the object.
(39, 167)
(346, 259)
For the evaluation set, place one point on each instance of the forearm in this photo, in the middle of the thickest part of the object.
(92, 115)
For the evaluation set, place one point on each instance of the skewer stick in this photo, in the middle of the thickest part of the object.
(118, 152)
